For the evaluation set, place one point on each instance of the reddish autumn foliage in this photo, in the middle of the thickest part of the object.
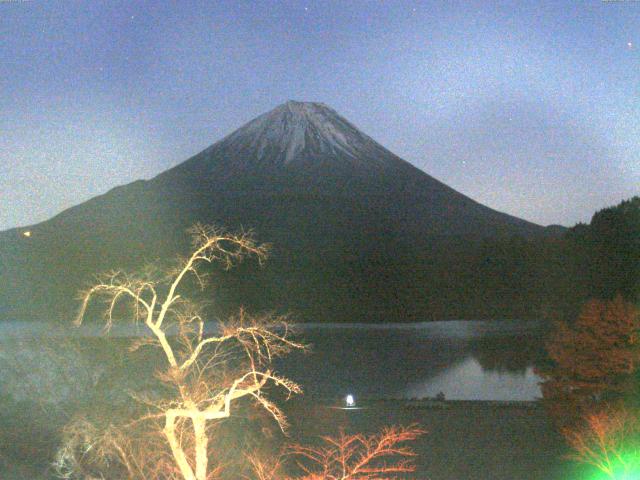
(348, 457)
(592, 361)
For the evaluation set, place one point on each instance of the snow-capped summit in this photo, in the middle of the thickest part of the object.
(296, 128)
(299, 135)
(348, 218)
(307, 149)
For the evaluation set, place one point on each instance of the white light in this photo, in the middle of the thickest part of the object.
(27, 233)
(350, 401)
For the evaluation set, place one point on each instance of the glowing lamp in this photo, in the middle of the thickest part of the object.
(350, 401)
(27, 233)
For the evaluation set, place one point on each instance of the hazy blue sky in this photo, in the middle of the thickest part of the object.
(529, 108)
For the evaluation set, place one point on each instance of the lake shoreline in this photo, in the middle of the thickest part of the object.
(464, 439)
(483, 440)
(366, 401)
(36, 328)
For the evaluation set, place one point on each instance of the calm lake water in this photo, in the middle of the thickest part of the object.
(468, 360)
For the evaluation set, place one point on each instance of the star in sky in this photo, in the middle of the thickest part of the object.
(437, 83)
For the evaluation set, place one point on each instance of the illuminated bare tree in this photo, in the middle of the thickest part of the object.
(207, 372)
(608, 440)
(348, 457)
(359, 457)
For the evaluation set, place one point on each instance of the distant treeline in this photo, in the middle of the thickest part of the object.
(345, 272)
(377, 277)
(554, 276)
(458, 278)
(608, 251)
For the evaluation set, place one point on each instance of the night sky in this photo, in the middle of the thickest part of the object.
(530, 108)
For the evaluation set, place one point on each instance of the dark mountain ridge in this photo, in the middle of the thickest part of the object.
(356, 230)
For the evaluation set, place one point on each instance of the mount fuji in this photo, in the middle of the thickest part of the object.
(309, 149)
(358, 233)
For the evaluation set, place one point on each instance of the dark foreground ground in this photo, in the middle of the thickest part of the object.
(464, 440)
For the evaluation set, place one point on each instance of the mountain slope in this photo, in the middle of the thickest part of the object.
(309, 149)
(356, 230)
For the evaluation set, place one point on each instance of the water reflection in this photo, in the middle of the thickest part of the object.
(464, 360)
(498, 365)
(468, 380)
(47, 375)
(507, 354)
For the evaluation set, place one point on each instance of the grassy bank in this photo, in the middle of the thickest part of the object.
(465, 440)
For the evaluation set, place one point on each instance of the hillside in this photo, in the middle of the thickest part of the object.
(358, 233)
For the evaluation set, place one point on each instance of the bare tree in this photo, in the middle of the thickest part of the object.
(608, 440)
(207, 373)
(381, 456)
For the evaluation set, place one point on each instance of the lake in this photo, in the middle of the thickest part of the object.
(465, 360)
(473, 360)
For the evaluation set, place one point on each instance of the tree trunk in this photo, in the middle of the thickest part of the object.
(199, 427)
(176, 448)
